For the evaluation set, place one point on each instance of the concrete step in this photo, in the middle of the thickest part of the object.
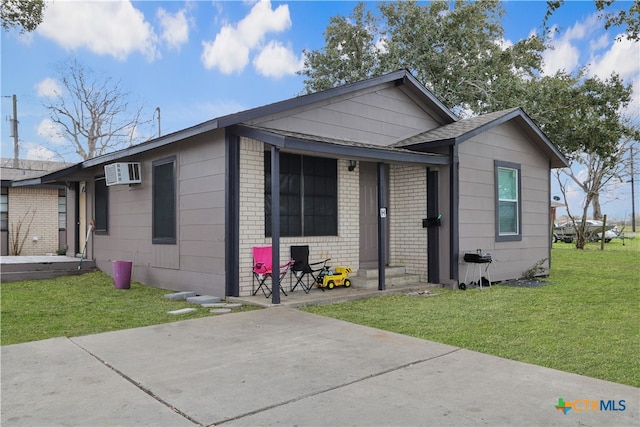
(388, 271)
(394, 276)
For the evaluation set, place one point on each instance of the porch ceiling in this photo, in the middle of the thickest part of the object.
(294, 141)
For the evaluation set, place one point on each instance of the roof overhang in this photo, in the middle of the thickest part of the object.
(457, 133)
(290, 141)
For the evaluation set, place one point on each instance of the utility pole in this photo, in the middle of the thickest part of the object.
(158, 110)
(633, 197)
(14, 128)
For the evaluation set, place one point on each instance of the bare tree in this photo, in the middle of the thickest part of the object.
(93, 112)
(18, 236)
(597, 174)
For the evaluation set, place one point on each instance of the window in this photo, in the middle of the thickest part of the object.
(164, 201)
(4, 209)
(62, 210)
(508, 202)
(101, 205)
(308, 195)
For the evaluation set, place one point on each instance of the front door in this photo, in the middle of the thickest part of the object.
(369, 215)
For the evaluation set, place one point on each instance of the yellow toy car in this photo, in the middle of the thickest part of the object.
(330, 279)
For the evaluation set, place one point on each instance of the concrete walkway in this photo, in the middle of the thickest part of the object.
(280, 366)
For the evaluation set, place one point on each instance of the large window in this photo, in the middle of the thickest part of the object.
(164, 201)
(308, 195)
(101, 205)
(508, 202)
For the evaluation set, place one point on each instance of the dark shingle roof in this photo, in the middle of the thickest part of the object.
(457, 129)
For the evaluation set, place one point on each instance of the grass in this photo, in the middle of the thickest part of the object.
(82, 305)
(585, 321)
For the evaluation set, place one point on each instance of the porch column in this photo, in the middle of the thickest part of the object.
(275, 224)
(232, 215)
(382, 223)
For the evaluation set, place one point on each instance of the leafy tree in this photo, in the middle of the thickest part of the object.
(584, 117)
(25, 14)
(455, 51)
(350, 55)
(612, 16)
(93, 112)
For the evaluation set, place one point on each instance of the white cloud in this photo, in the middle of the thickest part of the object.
(33, 151)
(600, 43)
(277, 60)
(229, 51)
(114, 28)
(564, 55)
(175, 28)
(48, 88)
(623, 57)
(51, 132)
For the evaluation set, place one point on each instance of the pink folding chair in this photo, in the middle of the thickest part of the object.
(263, 269)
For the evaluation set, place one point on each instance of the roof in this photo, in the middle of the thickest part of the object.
(27, 168)
(465, 129)
(399, 78)
(295, 141)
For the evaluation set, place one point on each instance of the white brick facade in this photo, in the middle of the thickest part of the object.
(342, 249)
(407, 208)
(42, 235)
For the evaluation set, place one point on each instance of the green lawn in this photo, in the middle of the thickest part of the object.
(586, 320)
(82, 305)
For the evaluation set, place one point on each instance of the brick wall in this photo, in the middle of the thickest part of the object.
(342, 249)
(408, 206)
(41, 204)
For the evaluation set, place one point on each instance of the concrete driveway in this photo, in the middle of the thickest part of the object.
(280, 366)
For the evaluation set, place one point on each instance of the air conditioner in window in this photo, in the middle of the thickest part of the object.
(122, 173)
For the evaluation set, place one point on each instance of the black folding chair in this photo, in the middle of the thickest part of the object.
(302, 270)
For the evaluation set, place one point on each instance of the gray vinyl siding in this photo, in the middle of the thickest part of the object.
(477, 201)
(196, 261)
(379, 117)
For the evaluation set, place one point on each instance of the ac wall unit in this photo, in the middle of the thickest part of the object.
(122, 173)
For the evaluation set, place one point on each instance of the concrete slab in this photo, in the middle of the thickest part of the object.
(281, 366)
(181, 311)
(178, 296)
(54, 382)
(220, 310)
(203, 299)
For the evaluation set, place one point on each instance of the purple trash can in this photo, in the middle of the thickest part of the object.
(122, 274)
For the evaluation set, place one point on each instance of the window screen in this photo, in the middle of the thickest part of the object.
(308, 195)
(508, 201)
(164, 201)
(101, 205)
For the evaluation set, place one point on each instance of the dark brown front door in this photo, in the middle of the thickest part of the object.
(368, 215)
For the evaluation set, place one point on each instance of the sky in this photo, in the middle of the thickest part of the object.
(198, 60)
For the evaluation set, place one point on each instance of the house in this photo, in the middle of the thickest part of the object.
(370, 174)
(33, 218)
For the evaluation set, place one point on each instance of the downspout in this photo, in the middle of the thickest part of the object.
(454, 206)
(382, 223)
(232, 215)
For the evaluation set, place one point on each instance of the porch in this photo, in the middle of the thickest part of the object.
(316, 296)
(16, 268)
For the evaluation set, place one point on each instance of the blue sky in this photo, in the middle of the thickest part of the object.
(197, 60)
